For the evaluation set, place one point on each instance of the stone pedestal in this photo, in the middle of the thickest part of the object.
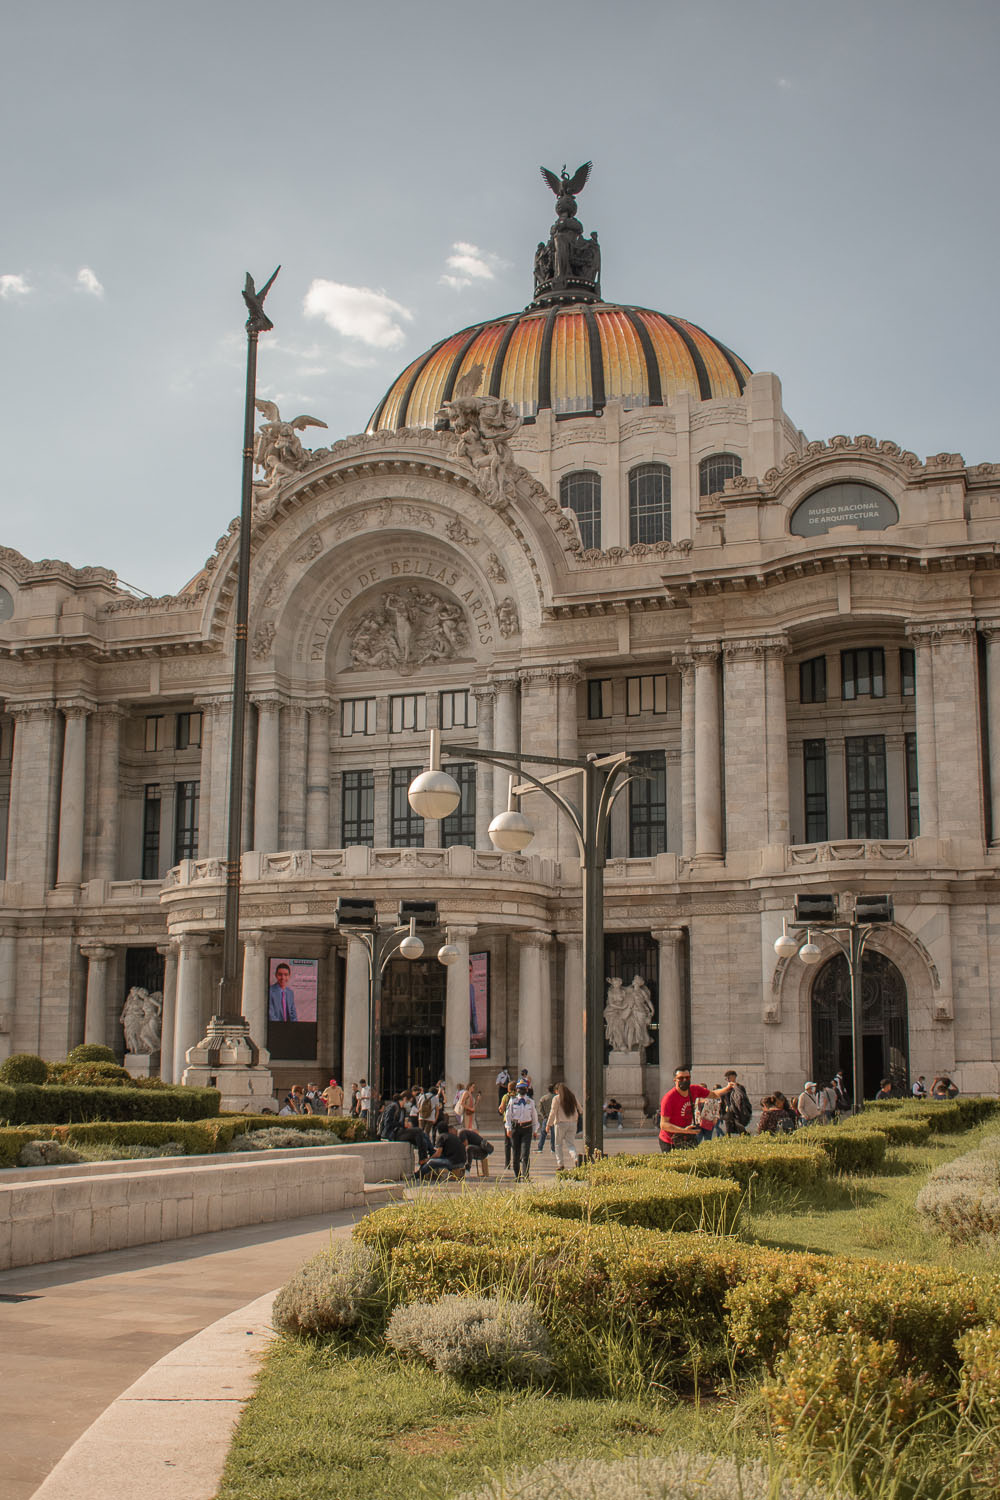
(142, 1064)
(228, 1059)
(623, 1077)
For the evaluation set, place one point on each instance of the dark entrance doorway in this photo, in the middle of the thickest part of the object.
(413, 995)
(625, 955)
(885, 1032)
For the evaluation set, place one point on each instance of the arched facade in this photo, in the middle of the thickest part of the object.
(814, 700)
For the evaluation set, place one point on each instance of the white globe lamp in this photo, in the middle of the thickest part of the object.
(412, 946)
(785, 946)
(434, 794)
(809, 952)
(448, 954)
(511, 831)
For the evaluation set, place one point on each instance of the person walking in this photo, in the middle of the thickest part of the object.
(503, 1079)
(810, 1105)
(333, 1097)
(563, 1114)
(509, 1094)
(522, 1126)
(544, 1106)
(466, 1108)
(737, 1111)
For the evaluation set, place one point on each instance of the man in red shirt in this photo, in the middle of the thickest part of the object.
(677, 1125)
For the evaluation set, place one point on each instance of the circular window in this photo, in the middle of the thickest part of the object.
(859, 505)
(6, 604)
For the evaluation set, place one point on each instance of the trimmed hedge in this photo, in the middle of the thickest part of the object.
(57, 1104)
(743, 1159)
(23, 1067)
(651, 1200)
(858, 1151)
(899, 1129)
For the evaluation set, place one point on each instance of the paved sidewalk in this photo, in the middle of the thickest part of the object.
(75, 1334)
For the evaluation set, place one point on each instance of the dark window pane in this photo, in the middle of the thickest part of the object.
(814, 765)
(862, 673)
(812, 680)
(715, 470)
(186, 820)
(357, 792)
(907, 673)
(867, 802)
(912, 791)
(406, 830)
(648, 805)
(580, 492)
(599, 698)
(151, 834)
(459, 827)
(649, 503)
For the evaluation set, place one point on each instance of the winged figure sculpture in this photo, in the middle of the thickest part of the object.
(278, 450)
(565, 186)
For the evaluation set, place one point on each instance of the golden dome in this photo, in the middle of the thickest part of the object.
(569, 359)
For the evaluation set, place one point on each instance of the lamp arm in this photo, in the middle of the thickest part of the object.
(609, 792)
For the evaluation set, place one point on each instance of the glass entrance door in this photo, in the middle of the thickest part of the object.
(885, 1031)
(413, 996)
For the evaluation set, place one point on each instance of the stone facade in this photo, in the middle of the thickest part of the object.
(813, 711)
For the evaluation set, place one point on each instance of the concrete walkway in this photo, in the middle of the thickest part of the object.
(76, 1334)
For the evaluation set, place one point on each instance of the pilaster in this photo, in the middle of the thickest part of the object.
(95, 1026)
(672, 1030)
(266, 787)
(318, 778)
(72, 796)
(109, 719)
(707, 753)
(456, 1015)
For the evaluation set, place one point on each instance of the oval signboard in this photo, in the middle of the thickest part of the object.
(860, 505)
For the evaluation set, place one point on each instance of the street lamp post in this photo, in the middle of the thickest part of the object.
(434, 794)
(820, 910)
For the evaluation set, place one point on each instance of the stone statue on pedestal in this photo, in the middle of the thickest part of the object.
(482, 427)
(627, 1015)
(141, 1020)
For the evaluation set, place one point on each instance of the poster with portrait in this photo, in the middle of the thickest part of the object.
(292, 985)
(479, 1005)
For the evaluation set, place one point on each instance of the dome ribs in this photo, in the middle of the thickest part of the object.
(704, 384)
(418, 370)
(545, 362)
(456, 364)
(496, 375)
(652, 364)
(596, 360)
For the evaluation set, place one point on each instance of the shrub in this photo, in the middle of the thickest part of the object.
(962, 1197)
(91, 1052)
(330, 1292)
(857, 1151)
(650, 1199)
(899, 1128)
(23, 1067)
(88, 1074)
(59, 1104)
(759, 1306)
(768, 1159)
(476, 1339)
(46, 1154)
(342, 1127)
(196, 1137)
(979, 1383)
(828, 1386)
(677, 1476)
(276, 1138)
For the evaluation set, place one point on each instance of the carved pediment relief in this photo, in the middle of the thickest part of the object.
(408, 627)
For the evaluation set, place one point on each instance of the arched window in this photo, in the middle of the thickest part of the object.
(581, 492)
(714, 470)
(649, 504)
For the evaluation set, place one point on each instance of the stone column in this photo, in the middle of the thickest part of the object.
(486, 697)
(746, 745)
(685, 665)
(895, 781)
(294, 774)
(34, 793)
(254, 1004)
(95, 1024)
(205, 787)
(169, 1017)
(215, 776)
(927, 787)
(8, 991)
(776, 712)
(505, 734)
(671, 1004)
(540, 707)
(318, 778)
(72, 796)
(707, 748)
(357, 994)
(456, 1012)
(188, 1008)
(992, 634)
(266, 789)
(956, 720)
(383, 821)
(533, 996)
(573, 998)
(109, 720)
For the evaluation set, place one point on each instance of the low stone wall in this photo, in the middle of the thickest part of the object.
(74, 1210)
(381, 1161)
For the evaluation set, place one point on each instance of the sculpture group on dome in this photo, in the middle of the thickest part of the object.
(567, 266)
(278, 450)
(482, 427)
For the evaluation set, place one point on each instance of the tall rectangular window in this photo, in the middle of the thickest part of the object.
(406, 830)
(580, 492)
(459, 827)
(862, 673)
(188, 735)
(812, 680)
(907, 672)
(646, 695)
(407, 711)
(867, 798)
(814, 768)
(599, 698)
(912, 790)
(186, 820)
(458, 710)
(647, 830)
(357, 802)
(357, 716)
(151, 833)
(649, 504)
(156, 732)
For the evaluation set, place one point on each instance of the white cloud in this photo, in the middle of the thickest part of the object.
(87, 282)
(358, 313)
(467, 263)
(13, 285)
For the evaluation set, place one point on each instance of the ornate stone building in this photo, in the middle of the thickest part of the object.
(583, 527)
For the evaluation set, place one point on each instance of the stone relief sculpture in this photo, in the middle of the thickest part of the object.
(507, 618)
(481, 428)
(407, 628)
(278, 450)
(627, 1015)
(141, 1019)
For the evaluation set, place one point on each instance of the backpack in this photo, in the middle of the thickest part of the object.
(785, 1123)
(741, 1109)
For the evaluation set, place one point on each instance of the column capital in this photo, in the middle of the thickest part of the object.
(110, 713)
(193, 942)
(705, 653)
(25, 712)
(505, 682)
(534, 939)
(268, 703)
(989, 628)
(458, 932)
(76, 708)
(168, 949)
(254, 939)
(684, 664)
(668, 934)
(755, 648)
(97, 952)
(934, 632)
(486, 692)
(216, 703)
(319, 707)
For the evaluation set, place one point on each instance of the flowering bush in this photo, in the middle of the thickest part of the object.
(962, 1197)
(652, 1199)
(827, 1385)
(477, 1339)
(330, 1292)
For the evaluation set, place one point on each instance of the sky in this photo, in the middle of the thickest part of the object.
(815, 184)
